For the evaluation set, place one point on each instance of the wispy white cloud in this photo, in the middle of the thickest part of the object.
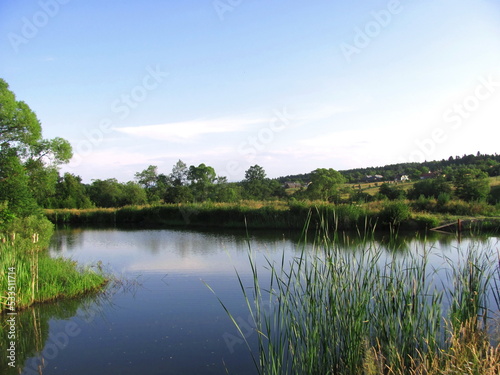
(187, 130)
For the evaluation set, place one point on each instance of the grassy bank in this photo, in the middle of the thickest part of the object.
(366, 311)
(29, 275)
(280, 215)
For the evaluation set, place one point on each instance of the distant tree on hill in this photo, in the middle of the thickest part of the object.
(471, 184)
(430, 188)
(325, 184)
(392, 192)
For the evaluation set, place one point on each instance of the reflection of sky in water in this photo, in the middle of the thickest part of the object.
(172, 323)
(163, 250)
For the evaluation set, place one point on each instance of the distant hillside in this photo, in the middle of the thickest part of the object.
(487, 163)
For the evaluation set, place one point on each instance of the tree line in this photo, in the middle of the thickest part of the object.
(490, 164)
(30, 178)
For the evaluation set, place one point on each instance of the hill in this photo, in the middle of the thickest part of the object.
(487, 163)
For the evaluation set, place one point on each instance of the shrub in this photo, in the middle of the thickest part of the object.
(443, 198)
(393, 213)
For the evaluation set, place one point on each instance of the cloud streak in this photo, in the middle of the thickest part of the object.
(185, 131)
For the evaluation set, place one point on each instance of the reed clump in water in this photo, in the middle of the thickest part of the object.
(369, 311)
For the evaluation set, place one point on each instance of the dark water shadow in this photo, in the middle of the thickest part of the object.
(33, 346)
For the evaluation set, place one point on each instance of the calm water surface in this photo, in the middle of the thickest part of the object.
(163, 319)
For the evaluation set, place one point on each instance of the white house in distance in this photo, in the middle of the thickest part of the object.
(402, 178)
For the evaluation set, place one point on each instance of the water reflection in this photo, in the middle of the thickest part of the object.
(172, 324)
(36, 342)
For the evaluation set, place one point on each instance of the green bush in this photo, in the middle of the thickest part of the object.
(426, 221)
(424, 204)
(394, 213)
(443, 198)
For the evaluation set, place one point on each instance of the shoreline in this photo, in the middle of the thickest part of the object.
(273, 215)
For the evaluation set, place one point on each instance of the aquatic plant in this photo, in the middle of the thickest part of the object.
(332, 311)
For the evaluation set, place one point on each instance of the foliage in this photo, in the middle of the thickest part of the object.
(111, 193)
(471, 184)
(14, 184)
(325, 184)
(202, 179)
(152, 183)
(28, 162)
(257, 186)
(70, 193)
(430, 188)
(392, 192)
(394, 213)
(38, 276)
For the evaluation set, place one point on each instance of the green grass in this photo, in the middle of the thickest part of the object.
(29, 273)
(40, 278)
(332, 311)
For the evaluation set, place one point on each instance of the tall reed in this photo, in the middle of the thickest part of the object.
(332, 311)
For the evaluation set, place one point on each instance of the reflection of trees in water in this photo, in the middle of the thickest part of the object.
(32, 342)
(67, 239)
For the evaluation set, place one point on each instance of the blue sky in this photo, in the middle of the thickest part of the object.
(289, 85)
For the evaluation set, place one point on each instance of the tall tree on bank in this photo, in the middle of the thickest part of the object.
(153, 183)
(26, 159)
(257, 186)
(178, 191)
(202, 179)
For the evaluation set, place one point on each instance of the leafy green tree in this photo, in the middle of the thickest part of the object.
(178, 177)
(258, 187)
(471, 184)
(391, 192)
(14, 185)
(255, 173)
(153, 183)
(106, 193)
(42, 182)
(133, 194)
(19, 126)
(430, 188)
(325, 184)
(177, 190)
(28, 161)
(225, 191)
(71, 193)
(202, 179)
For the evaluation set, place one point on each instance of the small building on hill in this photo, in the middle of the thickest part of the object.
(402, 178)
(374, 178)
(293, 185)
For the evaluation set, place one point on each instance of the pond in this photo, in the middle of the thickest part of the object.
(162, 317)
